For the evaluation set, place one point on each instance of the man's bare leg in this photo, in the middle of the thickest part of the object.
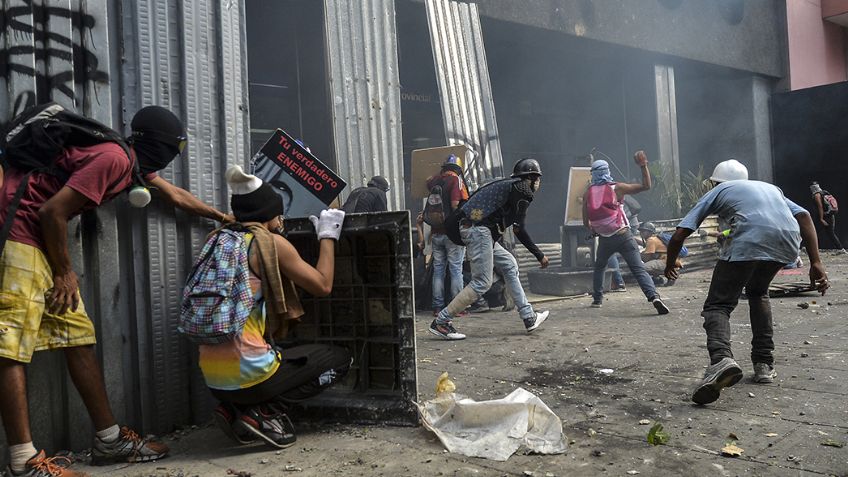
(13, 402)
(88, 379)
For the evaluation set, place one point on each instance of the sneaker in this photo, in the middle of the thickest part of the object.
(225, 416)
(128, 447)
(723, 374)
(670, 283)
(597, 303)
(446, 331)
(658, 281)
(43, 466)
(269, 423)
(764, 373)
(619, 289)
(661, 307)
(532, 323)
(477, 307)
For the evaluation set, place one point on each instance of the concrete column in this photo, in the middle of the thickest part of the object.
(669, 154)
(761, 89)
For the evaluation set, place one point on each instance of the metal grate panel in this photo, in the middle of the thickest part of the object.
(371, 313)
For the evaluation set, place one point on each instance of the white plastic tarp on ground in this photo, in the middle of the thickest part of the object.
(494, 429)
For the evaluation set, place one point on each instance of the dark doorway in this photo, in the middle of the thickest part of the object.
(557, 97)
(810, 139)
(287, 74)
(421, 109)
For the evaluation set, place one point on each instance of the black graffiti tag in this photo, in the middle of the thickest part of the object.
(36, 48)
(480, 145)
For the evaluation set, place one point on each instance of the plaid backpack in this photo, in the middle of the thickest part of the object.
(217, 298)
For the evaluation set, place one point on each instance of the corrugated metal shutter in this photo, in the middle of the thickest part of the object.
(190, 58)
(468, 109)
(365, 88)
(57, 50)
(187, 56)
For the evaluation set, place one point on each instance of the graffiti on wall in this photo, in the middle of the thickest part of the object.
(481, 144)
(48, 55)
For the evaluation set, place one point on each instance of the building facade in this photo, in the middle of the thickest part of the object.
(363, 83)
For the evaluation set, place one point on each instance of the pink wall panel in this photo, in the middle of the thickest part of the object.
(832, 8)
(816, 46)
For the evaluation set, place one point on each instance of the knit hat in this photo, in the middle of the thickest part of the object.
(252, 200)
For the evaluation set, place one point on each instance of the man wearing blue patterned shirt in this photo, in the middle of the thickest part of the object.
(478, 225)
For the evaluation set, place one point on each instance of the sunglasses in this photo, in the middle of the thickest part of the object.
(179, 142)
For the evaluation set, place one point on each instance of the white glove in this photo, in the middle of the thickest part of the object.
(329, 226)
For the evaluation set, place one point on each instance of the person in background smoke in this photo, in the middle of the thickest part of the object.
(447, 256)
(766, 230)
(603, 214)
(371, 198)
(40, 305)
(827, 214)
(653, 256)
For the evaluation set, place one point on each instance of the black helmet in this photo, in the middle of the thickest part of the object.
(526, 167)
(648, 227)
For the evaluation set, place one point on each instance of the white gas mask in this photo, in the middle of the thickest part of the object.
(139, 196)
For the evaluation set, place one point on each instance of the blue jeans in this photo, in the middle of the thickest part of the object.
(624, 245)
(446, 255)
(613, 264)
(485, 255)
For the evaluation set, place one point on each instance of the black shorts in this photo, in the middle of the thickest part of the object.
(304, 372)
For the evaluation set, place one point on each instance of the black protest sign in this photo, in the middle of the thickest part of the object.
(307, 170)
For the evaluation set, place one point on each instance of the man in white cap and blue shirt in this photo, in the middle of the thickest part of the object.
(766, 230)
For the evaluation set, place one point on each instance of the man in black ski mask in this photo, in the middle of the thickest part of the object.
(158, 137)
(36, 263)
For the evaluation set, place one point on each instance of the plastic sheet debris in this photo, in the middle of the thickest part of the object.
(493, 429)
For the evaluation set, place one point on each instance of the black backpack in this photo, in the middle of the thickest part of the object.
(437, 208)
(35, 138)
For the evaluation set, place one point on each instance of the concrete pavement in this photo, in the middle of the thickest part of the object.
(656, 361)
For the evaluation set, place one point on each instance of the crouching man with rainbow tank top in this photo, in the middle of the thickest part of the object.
(254, 380)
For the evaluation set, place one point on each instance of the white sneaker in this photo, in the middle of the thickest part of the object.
(661, 307)
(446, 331)
(536, 321)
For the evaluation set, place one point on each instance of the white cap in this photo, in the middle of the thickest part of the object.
(241, 183)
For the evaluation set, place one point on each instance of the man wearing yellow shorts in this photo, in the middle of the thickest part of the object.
(40, 306)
